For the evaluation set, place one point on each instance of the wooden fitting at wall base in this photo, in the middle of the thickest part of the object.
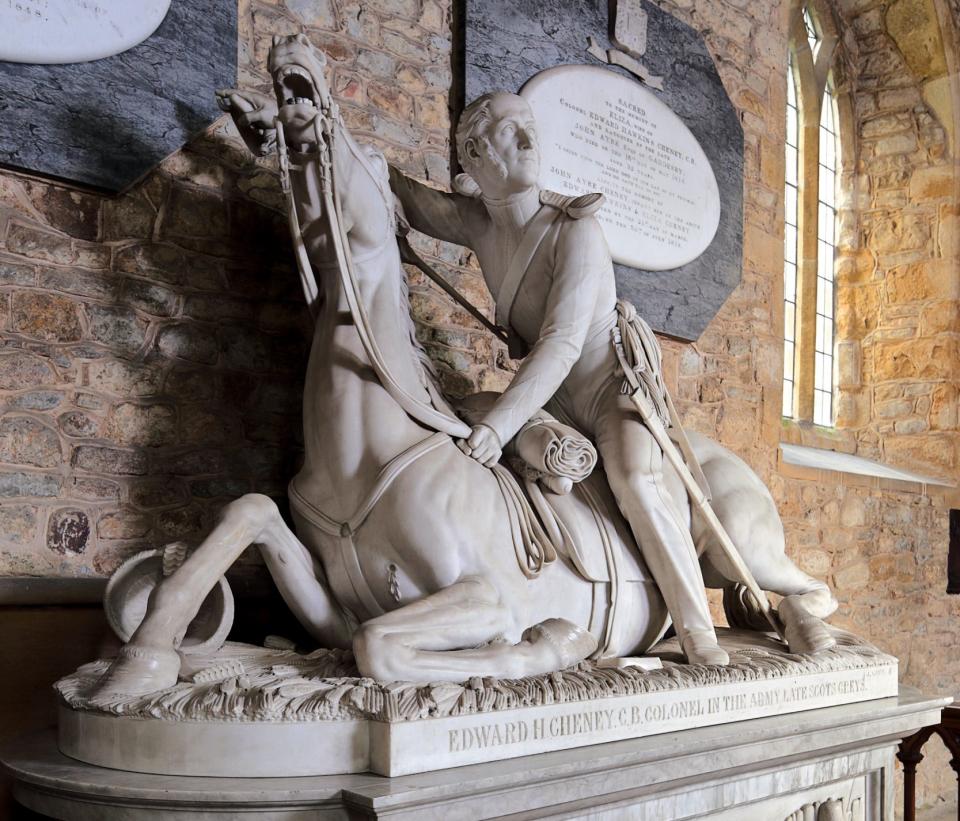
(910, 755)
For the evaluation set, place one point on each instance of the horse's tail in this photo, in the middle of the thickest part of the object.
(742, 609)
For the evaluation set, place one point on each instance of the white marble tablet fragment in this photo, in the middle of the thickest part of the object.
(75, 31)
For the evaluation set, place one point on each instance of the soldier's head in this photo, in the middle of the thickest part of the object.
(497, 144)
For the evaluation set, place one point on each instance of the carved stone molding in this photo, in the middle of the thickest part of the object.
(833, 809)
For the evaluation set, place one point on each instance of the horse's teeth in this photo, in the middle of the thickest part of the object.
(287, 70)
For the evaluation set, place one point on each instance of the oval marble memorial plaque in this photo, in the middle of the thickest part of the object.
(601, 131)
(51, 32)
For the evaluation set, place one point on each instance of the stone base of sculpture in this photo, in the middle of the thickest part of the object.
(829, 763)
(252, 711)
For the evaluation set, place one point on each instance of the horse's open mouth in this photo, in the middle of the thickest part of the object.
(295, 86)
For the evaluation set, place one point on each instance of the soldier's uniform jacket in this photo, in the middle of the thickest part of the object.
(564, 303)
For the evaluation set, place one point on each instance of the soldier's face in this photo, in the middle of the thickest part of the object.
(511, 138)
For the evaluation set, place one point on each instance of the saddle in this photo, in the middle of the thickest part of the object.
(582, 520)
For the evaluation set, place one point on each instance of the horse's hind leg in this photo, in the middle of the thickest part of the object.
(806, 603)
(751, 519)
(748, 513)
(436, 638)
(149, 661)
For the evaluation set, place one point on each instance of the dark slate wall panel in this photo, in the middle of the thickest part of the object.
(108, 122)
(508, 41)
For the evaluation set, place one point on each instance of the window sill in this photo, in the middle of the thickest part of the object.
(818, 459)
(807, 451)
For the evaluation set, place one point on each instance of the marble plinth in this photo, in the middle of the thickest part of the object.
(258, 712)
(765, 769)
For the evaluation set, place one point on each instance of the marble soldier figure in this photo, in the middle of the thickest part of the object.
(430, 563)
(556, 290)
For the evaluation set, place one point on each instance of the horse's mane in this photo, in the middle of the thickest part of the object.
(427, 370)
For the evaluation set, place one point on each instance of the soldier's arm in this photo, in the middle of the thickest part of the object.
(435, 213)
(582, 260)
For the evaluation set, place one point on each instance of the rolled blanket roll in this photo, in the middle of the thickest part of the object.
(551, 449)
(544, 450)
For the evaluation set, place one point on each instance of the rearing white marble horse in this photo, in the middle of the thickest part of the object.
(405, 547)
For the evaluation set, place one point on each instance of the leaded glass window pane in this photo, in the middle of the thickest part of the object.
(826, 254)
(791, 213)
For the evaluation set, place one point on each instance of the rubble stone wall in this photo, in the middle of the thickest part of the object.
(152, 344)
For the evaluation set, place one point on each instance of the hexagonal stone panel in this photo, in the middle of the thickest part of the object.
(506, 42)
(108, 122)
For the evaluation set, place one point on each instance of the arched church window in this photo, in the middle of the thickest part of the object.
(810, 215)
(826, 252)
(791, 207)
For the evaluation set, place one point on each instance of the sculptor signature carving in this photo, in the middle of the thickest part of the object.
(495, 576)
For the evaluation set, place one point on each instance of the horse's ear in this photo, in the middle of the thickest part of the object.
(466, 185)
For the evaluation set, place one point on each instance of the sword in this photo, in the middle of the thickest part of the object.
(697, 498)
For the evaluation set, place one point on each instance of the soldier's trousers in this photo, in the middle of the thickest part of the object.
(633, 462)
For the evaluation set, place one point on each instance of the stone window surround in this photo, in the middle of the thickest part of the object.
(811, 73)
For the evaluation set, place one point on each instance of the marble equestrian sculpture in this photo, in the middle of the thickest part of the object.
(415, 545)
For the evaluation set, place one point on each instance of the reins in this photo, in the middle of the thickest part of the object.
(531, 543)
(325, 125)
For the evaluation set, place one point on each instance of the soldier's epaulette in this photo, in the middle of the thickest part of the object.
(573, 207)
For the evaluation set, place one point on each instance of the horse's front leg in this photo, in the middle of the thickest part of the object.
(436, 638)
(150, 662)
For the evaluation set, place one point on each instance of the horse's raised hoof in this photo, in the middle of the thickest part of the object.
(137, 671)
(560, 643)
(805, 633)
(701, 648)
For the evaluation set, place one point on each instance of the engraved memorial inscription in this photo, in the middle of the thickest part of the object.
(600, 131)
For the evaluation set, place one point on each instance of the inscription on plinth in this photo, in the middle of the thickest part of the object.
(402, 748)
(600, 131)
(309, 714)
